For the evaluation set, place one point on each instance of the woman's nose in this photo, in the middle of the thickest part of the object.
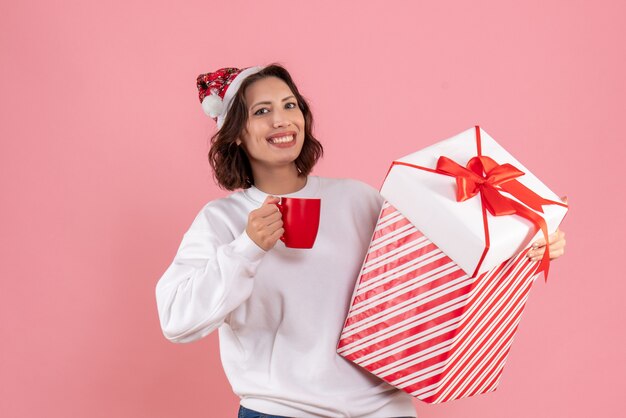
(281, 122)
(281, 118)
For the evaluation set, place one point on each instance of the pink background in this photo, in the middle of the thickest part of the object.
(103, 166)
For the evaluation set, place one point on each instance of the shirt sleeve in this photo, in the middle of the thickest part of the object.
(207, 280)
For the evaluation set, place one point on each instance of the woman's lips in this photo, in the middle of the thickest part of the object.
(284, 141)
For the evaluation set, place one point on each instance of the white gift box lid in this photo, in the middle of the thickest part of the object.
(429, 202)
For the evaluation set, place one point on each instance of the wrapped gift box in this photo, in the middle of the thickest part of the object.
(476, 241)
(419, 322)
(424, 316)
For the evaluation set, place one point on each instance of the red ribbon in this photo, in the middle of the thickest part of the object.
(483, 175)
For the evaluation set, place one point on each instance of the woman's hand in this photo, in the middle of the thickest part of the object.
(557, 244)
(265, 224)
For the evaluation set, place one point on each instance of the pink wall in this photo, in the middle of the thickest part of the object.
(103, 166)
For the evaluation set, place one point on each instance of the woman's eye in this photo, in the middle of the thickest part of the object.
(264, 110)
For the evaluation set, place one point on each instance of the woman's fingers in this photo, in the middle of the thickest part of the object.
(264, 223)
(557, 249)
(556, 240)
(558, 235)
(272, 217)
(268, 206)
(277, 234)
(278, 223)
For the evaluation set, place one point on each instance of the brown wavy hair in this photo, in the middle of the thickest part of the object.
(231, 167)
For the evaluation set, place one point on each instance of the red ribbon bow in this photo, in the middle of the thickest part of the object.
(484, 175)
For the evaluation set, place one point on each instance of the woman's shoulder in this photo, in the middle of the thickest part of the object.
(214, 212)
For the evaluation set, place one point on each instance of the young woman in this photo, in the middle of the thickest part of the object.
(279, 310)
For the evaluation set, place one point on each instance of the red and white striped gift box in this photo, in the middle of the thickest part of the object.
(423, 325)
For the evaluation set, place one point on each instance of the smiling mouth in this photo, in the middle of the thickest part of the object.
(281, 139)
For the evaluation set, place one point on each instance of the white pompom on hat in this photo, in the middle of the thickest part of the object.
(217, 89)
(212, 104)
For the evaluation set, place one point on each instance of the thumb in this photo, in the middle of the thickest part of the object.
(271, 199)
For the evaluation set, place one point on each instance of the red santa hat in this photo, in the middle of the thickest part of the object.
(217, 89)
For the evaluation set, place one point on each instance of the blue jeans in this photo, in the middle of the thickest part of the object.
(249, 413)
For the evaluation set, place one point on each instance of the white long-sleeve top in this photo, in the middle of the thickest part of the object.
(280, 312)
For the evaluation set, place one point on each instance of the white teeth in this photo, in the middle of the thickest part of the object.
(282, 139)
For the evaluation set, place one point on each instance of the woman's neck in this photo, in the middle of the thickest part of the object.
(279, 181)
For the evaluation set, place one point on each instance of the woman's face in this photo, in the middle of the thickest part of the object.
(274, 132)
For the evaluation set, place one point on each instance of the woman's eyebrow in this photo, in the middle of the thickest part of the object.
(286, 98)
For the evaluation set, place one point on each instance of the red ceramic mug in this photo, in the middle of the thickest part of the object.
(301, 219)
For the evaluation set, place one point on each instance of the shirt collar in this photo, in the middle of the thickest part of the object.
(310, 189)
